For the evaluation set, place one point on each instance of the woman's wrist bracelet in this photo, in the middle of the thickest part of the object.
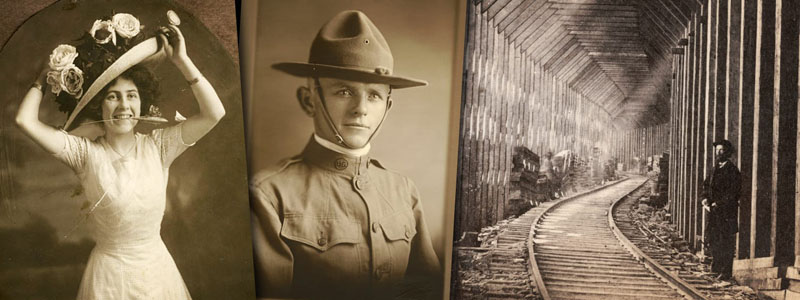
(36, 85)
(195, 80)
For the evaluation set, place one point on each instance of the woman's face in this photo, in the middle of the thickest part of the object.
(120, 104)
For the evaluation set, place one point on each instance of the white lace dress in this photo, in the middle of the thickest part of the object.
(130, 261)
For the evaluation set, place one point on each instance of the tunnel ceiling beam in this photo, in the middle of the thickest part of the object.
(611, 51)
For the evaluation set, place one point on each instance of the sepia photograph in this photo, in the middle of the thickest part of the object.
(122, 156)
(620, 149)
(351, 136)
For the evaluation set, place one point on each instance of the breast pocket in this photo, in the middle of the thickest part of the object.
(324, 247)
(399, 227)
(399, 230)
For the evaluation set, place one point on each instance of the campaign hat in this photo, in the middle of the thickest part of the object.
(351, 47)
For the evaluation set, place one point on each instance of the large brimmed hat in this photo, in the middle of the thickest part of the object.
(350, 47)
(112, 46)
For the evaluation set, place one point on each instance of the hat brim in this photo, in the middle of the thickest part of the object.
(145, 51)
(320, 70)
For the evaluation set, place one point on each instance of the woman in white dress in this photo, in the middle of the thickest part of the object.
(123, 173)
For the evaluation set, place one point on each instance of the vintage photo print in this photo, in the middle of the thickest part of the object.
(614, 149)
(351, 146)
(122, 156)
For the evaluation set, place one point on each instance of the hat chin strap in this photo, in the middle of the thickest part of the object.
(339, 138)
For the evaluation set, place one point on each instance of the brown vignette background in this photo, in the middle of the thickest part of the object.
(206, 225)
(420, 136)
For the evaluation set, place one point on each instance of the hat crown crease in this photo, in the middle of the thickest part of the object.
(351, 47)
(351, 40)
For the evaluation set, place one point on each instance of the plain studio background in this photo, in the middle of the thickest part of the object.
(206, 224)
(419, 137)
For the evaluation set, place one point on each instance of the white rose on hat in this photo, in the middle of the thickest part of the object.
(72, 81)
(103, 32)
(62, 56)
(54, 81)
(126, 25)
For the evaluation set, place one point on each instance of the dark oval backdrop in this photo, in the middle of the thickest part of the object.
(206, 225)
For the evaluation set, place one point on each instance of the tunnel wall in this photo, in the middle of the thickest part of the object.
(735, 77)
(632, 146)
(511, 99)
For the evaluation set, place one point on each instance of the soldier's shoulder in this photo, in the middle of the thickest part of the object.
(274, 170)
(382, 166)
(390, 173)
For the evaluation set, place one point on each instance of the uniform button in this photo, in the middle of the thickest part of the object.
(340, 164)
(375, 226)
(408, 233)
(322, 241)
(360, 182)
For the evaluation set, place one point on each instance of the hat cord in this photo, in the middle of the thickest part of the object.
(328, 118)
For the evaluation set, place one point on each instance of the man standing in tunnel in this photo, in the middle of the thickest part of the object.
(721, 198)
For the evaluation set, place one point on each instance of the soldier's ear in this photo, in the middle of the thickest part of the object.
(304, 97)
(389, 104)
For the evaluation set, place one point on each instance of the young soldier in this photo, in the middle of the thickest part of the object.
(333, 222)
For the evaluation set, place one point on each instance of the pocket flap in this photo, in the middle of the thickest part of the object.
(398, 227)
(321, 234)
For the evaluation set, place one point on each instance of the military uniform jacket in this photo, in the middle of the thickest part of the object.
(326, 225)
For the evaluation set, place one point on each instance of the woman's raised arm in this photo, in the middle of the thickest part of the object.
(28, 118)
(211, 109)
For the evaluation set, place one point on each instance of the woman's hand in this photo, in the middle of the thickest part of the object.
(211, 108)
(174, 44)
(42, 78)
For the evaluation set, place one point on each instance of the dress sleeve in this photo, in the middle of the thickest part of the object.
(75, 151)
(273, 259)
(170, 143)
(424, 272)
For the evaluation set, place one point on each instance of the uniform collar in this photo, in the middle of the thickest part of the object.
(325, 158)
(337, 148)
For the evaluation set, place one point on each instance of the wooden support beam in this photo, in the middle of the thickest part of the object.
(734, 17)
(531, 22)
(720, 64)
(519, 14)
(784, 127)
(761, 223)
(747, 58)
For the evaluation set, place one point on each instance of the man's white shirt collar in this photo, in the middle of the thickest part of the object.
(339, 149)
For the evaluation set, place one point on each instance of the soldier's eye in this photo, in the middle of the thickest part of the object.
(344, 92)
(376, 97)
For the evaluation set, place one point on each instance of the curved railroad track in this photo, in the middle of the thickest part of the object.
(577, 252)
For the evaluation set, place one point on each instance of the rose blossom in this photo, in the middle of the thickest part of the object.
(126, 25)
(103, 31)
(72, 81)
(54, 81)
(62, 56)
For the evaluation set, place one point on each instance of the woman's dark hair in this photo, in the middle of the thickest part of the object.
(145, 81)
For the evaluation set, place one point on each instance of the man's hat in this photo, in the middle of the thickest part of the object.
(350, 47)
(725, 143)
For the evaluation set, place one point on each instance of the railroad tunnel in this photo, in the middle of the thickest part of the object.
(634, 81)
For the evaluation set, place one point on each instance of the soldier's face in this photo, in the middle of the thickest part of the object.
(356, 109)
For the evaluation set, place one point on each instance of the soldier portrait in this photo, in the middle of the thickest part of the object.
(349, 144)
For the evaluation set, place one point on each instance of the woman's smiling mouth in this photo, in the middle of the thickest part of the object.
(123, 116)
